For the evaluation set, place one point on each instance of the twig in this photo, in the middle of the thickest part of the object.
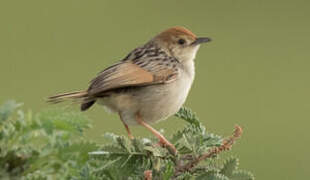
(148, 175)
(226, 145)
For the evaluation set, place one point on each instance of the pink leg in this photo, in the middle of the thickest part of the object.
(127, 128)
(162, 139)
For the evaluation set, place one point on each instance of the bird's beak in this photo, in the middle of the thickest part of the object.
(201, 40)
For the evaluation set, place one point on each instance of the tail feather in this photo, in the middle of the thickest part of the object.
(86, 105)
(78, 95)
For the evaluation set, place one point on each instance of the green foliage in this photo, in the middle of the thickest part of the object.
(228, 171)
(230, 165)
(48, 145)
(52, 145)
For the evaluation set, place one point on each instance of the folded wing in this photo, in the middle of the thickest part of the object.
(129, 74)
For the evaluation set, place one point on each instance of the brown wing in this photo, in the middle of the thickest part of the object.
(128, 74)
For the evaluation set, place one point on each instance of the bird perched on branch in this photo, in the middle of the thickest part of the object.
(150, 84)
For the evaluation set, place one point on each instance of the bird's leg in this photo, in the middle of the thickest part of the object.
(162, 139)
(126, 127)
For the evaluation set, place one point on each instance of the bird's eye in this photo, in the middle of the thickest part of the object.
(181, 41)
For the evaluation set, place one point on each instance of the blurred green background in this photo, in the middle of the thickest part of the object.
(255, 73)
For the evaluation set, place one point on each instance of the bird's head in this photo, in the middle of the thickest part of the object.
(180, 43)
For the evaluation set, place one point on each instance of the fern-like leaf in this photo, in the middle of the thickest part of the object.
(188, 115)
(230, 165)
(7, 109)
(242, 175)
(212, 176)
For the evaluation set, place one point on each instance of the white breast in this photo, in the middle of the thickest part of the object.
(160, 102)
(185, 82)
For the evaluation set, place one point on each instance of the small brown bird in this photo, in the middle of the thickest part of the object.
(150, 84)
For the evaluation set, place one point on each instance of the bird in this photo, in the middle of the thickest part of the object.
(149, 85)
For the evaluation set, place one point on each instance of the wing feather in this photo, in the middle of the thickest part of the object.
(128, 74)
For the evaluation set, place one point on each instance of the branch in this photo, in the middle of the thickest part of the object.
(226, 145)
(148, 175)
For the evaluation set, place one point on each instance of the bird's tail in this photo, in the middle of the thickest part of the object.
(78, 95)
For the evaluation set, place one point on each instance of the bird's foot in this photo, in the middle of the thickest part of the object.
(163, 142)
(131, 137)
